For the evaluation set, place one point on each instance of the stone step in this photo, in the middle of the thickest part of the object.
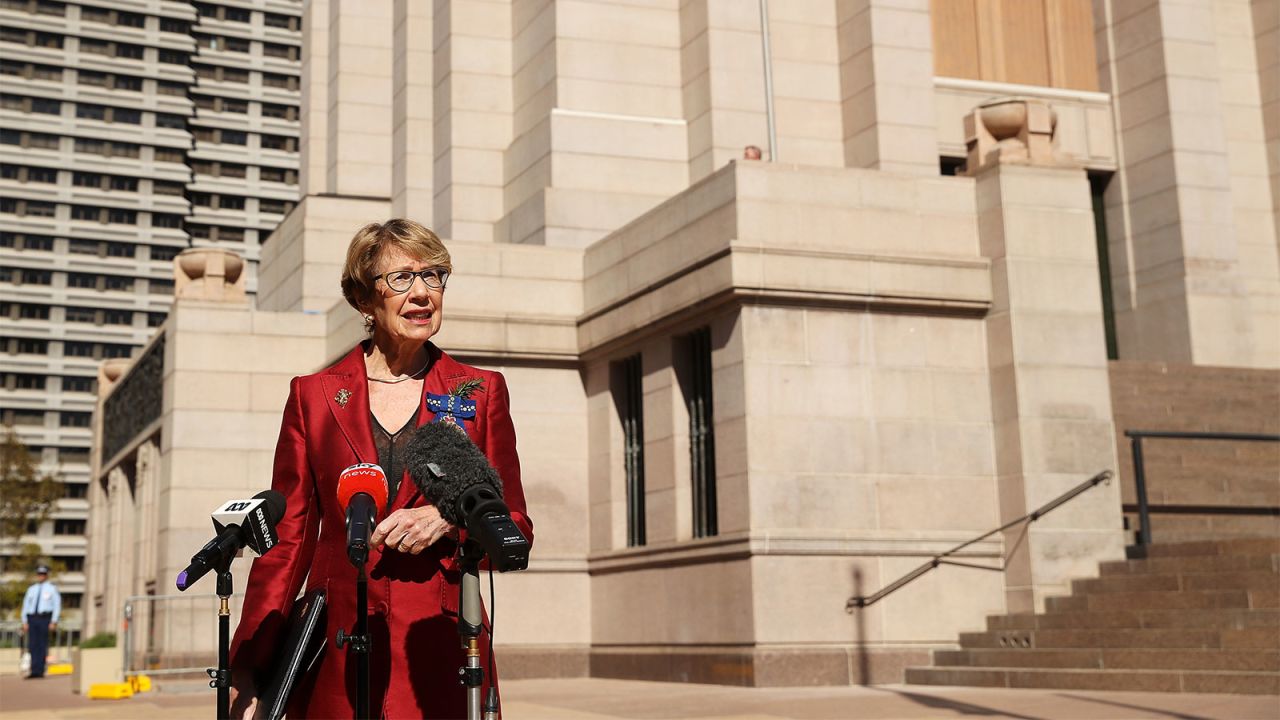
(1265, 579)
(1113, 658)
(1247, 638)
(1162, 600)
(1240, 546)
(1190, 564)
(1234, 618)
(1252, 683)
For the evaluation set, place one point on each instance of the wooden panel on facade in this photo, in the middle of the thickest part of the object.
(1035, 42)
(1026, 53)
(1073, 62)
(955, 38)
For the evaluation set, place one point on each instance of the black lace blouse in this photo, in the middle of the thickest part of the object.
(390, 447)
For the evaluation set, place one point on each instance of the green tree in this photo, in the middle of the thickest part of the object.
(26, 496)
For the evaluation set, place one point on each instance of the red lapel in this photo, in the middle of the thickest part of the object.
(346, 379)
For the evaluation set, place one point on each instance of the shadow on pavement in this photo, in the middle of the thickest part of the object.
(934, 702)
(1167, 713)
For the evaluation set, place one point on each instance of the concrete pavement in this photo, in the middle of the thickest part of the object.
(597, 699)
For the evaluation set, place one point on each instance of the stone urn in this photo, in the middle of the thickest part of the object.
(209, 274)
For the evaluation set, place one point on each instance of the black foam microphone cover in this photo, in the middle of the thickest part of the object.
(445, 464)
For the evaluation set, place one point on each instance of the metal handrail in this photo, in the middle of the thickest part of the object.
(861, 601)
(1140, 479)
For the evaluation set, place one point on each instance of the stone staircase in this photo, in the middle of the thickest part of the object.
(1189, 617)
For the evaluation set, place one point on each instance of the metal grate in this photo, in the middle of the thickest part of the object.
(702, 438)
(631, 408)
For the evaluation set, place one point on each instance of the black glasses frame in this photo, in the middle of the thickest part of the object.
(428, 275)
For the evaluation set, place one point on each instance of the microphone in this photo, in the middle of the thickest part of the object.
(362, 489)
(457, 478)
(239, 523)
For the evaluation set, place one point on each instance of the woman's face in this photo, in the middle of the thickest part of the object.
(410, 316)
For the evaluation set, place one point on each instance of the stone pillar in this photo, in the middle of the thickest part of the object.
(1188, 262)
(313, 145)
(412, 143)
(597, 134)
(472, 115)
(98, 575)
(359, 92)
(722, 70)
(886, 80)
(1051, 400)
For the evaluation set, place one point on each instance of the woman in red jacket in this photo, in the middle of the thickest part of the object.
(362, 410)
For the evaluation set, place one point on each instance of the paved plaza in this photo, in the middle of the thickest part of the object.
(596, 699)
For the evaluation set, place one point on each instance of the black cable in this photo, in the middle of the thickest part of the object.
(493, 687)
(492, 614)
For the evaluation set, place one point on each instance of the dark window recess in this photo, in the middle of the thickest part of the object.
(694, 375)
(1098, 187)
(166, 220)
(274, 110)
(164, 253)
(171, 121)
(171, 25)
(277, 20)
(36, 277)
(74, 491)
(69, 527)
(117, 317)
(629, 399)
(73, 419)
(79, 384)
(173, 155)
(73, 563)
(950, 166)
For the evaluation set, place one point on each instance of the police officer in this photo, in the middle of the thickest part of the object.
(40, 610)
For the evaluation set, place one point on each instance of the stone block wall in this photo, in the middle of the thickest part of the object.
(1233, 474)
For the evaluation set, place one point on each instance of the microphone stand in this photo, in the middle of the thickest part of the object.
(221, 676)
(470, 623)
(358, 641)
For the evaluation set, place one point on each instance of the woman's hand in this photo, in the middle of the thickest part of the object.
(244, 696)
(410, 530)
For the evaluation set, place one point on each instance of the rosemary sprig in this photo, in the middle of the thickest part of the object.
(466, 387)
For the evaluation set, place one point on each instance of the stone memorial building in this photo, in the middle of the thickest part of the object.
(985, 239)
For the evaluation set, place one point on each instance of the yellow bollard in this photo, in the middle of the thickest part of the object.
(110, 691)
(140, 683)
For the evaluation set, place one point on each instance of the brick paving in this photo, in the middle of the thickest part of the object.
(598, 699)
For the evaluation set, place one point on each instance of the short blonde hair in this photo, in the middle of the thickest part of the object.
(370, 241)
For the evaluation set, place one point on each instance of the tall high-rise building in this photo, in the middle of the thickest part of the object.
(129, 131)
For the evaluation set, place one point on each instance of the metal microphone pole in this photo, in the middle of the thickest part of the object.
(221, 676)
(470, 622)
(359, 641)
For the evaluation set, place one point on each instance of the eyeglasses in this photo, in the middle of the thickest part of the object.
(401, 280)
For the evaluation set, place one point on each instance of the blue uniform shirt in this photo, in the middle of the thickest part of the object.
(46, 596)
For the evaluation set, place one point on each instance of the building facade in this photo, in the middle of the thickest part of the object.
(124, 144)
(745, 391)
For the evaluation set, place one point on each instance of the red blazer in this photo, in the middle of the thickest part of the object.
(413, 599)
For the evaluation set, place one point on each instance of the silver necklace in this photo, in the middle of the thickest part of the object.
(410, 376)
